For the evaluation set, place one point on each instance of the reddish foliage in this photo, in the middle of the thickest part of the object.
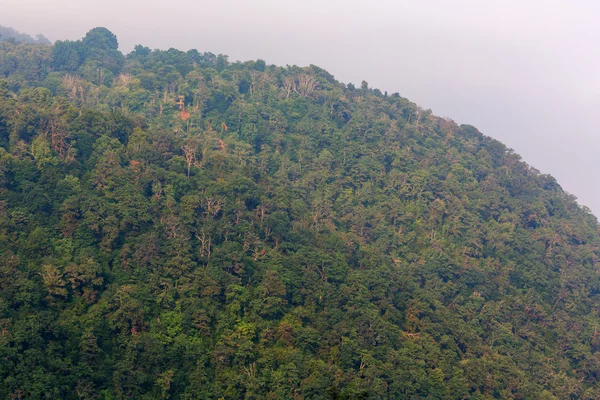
(135, 165)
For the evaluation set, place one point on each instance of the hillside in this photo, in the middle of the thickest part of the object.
(11, 35)
(174, 225)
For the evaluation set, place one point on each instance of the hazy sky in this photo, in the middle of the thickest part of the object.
(525, 72)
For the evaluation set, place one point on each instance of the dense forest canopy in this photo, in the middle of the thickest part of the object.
(175, 225)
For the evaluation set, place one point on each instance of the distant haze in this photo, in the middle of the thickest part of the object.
(525, 73)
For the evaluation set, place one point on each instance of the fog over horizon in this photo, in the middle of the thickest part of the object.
(525, 74)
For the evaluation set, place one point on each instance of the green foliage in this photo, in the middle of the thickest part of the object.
(175, 225)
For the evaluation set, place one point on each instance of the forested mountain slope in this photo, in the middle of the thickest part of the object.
(11, 35)
(173, 225)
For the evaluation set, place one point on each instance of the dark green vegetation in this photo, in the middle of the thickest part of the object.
(173, 225)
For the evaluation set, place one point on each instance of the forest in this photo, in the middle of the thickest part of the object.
(14, 37)
(174, 225)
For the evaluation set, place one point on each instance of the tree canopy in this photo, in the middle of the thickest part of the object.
(175, 225)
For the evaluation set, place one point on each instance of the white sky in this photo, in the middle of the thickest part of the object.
(525, 72)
